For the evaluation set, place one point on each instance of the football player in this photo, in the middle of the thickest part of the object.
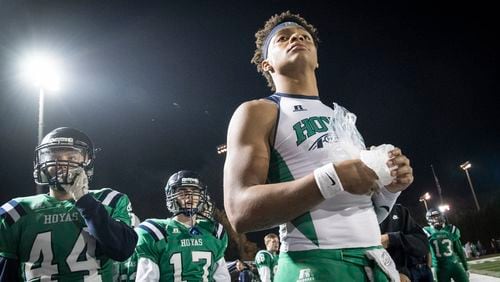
(72, 233)
(182, 248)
(287, 165)
(267, 260)
(448, 258)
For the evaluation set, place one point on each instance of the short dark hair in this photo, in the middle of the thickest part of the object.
(260, 37)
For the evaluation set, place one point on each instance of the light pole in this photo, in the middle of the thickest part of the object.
(41, 103)
(440, 191)
(465, 166)
(43, 72)
(424, 198)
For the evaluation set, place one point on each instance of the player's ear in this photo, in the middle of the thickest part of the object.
(266, 66)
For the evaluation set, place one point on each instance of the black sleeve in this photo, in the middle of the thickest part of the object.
(9, 269)
(411, 237)
(117, 239)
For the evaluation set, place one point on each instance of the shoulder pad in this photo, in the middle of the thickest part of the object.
(427, 231)
(154, 229)
(219, 231)
(107, 196)
(264, 252)
(11, 212)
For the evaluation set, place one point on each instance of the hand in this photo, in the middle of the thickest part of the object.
(385, 241)
(356, 177)
(403, 278)
(80, 185)
(401, 169)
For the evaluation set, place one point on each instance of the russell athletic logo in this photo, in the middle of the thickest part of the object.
(298, 108)
(305, 275)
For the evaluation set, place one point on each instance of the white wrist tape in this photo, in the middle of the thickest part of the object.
(328, 181)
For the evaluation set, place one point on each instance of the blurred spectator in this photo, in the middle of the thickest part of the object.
(480, 249)
(241, 271)
(468, 250)
(407, 244)
(474, 250)
(246, 274)
(494, 245)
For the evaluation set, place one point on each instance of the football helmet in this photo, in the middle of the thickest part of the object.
(435, 218)
(185, 193)
(61, 152)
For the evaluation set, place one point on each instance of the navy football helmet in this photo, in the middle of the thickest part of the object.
(185, 193)
(60, 152)
(435, 218)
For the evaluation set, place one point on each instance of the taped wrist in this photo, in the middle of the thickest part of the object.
(328, 181)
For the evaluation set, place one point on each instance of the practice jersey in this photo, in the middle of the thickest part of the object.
(180, 255)
(304, 141)
(50, 239)
(445, 244)
(265, 259)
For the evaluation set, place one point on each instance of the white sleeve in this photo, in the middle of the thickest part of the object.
(147, 271)
(264, 274)
(221, 272)
(383, 201)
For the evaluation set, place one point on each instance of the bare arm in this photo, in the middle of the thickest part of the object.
(249, 202)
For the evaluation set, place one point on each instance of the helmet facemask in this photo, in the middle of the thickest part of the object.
(208, 209)
(187, 200)
(187, 195)
(57, 162)
(436, 219)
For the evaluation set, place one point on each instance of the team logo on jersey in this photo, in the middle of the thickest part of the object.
(395, 217)
(305, 275)
(175, 230)
(298, 108)
(60, 217)
(191, 242)
(320, 142)
(309, 127)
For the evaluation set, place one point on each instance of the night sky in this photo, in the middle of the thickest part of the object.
(154, 84)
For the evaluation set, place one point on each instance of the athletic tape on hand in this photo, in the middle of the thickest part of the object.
(376, 158)
(80, 185)
(328, 181)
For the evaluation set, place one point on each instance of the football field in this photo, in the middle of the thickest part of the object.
(488, 266)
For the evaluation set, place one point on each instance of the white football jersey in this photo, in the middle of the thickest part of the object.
(304, 141)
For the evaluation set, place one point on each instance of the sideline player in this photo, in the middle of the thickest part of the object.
(72, 233)
(279, 169)
(266, 260)
(448, 258)
(182, 248)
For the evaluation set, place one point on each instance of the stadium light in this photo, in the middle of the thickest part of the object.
(466, 166)
(424, 198)
(44, 72)
(221, 149)
(444, 208)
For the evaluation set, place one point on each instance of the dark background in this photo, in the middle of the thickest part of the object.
(155, 83)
